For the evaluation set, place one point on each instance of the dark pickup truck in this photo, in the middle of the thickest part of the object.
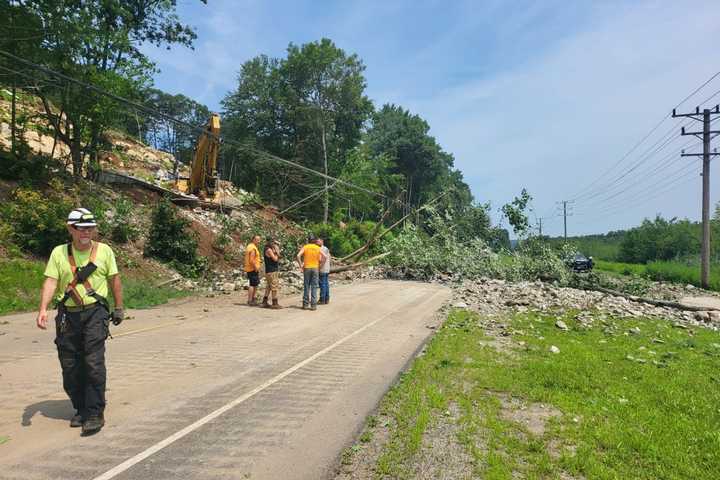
(580, 263)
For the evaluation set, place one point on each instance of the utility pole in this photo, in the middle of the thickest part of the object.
(706, 135)
(540, 225)
(565, 214)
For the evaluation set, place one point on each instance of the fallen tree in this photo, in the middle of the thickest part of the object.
(374, 237)
(353, 266)
(650, 301)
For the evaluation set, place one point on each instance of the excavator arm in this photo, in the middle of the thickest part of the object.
(203, 170)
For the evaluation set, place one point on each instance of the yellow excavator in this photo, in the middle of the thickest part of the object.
(203, 179)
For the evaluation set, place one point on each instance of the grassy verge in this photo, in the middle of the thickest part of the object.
(676, 272)
(20, 282)
(620, 268)
(626, 405)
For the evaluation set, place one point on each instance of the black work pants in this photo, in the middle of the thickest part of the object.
(80, 342)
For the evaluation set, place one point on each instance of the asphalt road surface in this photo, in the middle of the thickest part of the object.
(211, 389)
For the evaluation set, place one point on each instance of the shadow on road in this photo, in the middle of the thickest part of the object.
(56, 409)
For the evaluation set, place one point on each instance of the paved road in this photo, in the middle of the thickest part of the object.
(711, 303)
(208, 389)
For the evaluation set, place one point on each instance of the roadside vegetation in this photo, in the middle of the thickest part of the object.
(610, 404)
(21, 279)
(685, 273)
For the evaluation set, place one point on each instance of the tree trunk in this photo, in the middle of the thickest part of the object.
(327, 190)
(13, 133)
(77, 155)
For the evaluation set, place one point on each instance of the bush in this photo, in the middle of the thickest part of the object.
(345, 240)
(170, 241)
(27, 167)
(122, 226)
(228, 227)
(36, 221)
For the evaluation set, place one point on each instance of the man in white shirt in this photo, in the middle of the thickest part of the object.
(324, 274)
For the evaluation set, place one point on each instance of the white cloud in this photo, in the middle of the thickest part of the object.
(555, 122)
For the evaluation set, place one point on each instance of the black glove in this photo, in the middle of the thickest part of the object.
(117, 316)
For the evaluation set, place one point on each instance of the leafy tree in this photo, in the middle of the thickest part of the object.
(372, 172)
(171, 136)
(660, 239)
(98, 42)
(515, 212)
(309, 107)
(326, 88)
(404, 138)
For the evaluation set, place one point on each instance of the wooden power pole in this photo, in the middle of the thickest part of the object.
(706, 135)
(565, 214)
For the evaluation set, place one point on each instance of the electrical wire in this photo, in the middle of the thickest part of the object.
(649, 134)
(156, 113)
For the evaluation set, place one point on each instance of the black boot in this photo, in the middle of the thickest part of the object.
(93, 424)
(265, 302)
(76, 421)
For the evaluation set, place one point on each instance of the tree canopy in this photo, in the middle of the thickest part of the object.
(97, 42)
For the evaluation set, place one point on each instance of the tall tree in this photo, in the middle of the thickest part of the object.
(405, 139)
(98, 42)
(309, 106)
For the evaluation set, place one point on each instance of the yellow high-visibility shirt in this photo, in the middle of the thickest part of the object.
(58, 267)
(311, 256)
(252, 267)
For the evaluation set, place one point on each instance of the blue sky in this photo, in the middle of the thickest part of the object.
(546, 95)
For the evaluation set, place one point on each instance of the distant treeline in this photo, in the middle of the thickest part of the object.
(659, 239)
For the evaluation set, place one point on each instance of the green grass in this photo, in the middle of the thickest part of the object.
(21, 280)
(139, 294)
(621, 268)
(641, 406)
(676, 272)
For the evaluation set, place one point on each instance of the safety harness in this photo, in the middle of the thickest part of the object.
(81, 275)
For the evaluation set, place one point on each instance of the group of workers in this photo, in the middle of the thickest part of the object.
(313, 260)
(83, 272)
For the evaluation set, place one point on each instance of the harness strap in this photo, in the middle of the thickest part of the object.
(72, 286)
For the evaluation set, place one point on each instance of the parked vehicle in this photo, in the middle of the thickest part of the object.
(581, 263)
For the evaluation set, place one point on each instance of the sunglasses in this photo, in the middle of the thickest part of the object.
(83, 229)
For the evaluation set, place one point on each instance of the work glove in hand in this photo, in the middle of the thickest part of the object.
(117, 316)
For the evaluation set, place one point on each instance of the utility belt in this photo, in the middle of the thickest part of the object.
(80, 308)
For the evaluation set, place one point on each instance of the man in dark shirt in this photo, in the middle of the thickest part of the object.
(272, 280)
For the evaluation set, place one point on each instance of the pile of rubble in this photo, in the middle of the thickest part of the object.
(497, 298)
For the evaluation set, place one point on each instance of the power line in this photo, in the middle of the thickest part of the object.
(156, 113)
(648, 135)
(643, 176)
(629, 206)
(640, 196)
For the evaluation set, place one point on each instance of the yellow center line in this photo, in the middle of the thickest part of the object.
(146, 329)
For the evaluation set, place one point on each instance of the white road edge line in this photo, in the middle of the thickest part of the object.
(190, 428)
